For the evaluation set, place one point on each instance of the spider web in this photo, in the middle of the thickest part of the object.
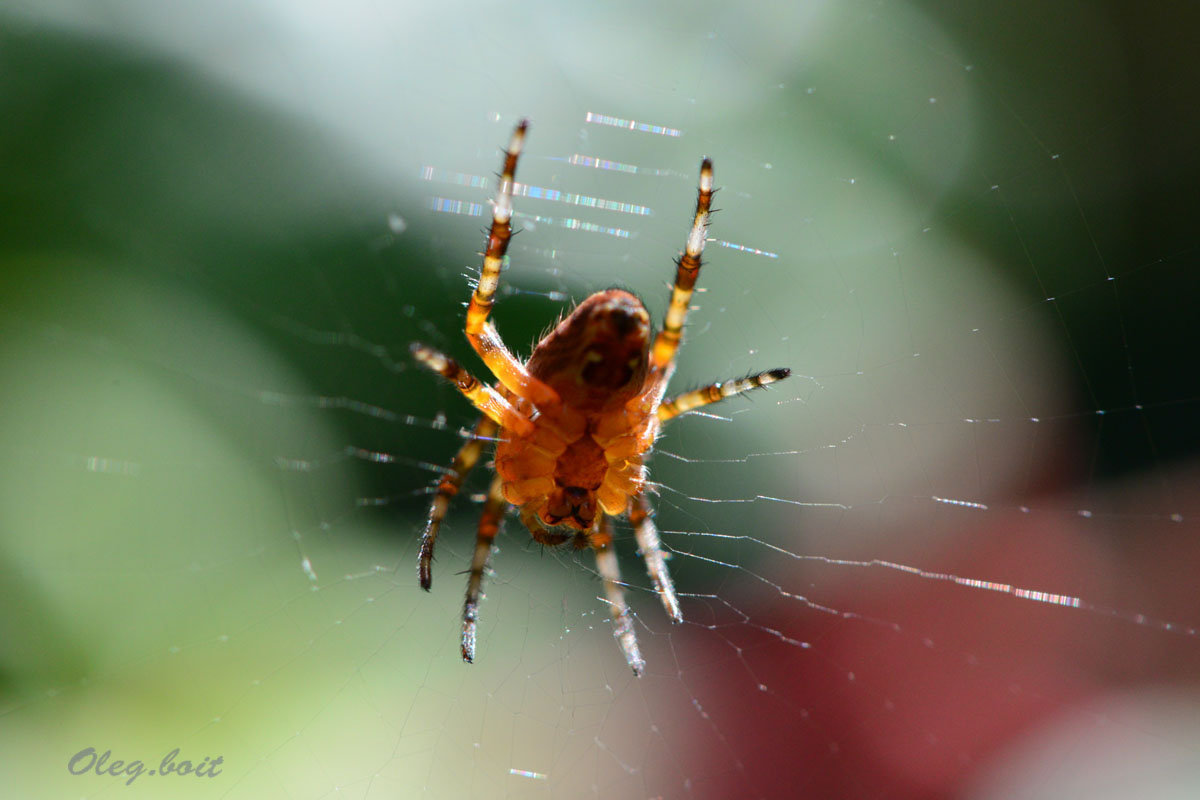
(951, 556)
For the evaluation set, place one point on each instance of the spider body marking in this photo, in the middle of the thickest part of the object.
(574, 423)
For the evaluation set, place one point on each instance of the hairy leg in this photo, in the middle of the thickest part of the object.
(482, 396)
(715, 392)
(687, 270)
(480, 331)
(447, 488)
(641, 517)
(489, 526)
(622, 617)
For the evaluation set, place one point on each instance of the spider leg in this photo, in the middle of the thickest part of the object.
(447, 488)
(641, 516)
(715, 392)
(489, 525)
(622, 617)
(484, 397)
(687, 269)
(480, 331)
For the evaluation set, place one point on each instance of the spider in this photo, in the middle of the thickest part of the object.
(574, 423)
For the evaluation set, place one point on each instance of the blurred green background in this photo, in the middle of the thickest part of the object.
(218, 235)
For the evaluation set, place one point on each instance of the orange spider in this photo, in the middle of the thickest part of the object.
(574, 423)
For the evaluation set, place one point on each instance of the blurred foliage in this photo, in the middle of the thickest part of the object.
(1113, 86)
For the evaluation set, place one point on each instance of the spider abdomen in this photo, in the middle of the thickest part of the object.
(596, 359)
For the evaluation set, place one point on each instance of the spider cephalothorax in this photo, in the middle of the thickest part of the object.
(574, 423)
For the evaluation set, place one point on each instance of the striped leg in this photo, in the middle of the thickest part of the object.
(480, 332)
(713, 393)
(686, 271)
(489, 526)
(622, 617)
(484, 397)
(447, 488)
(641, 516)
